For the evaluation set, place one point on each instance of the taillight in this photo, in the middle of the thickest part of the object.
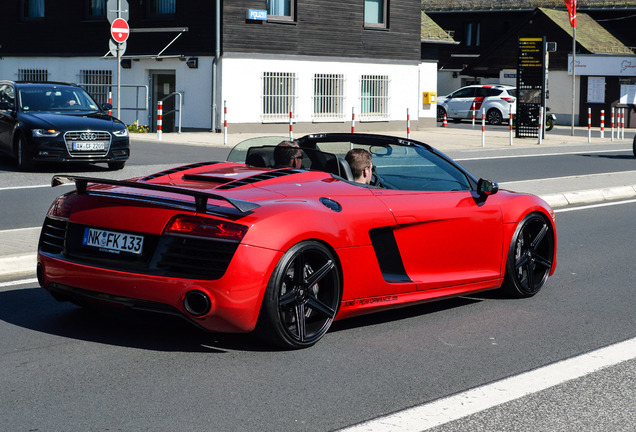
(205, 227)
(61, 207)
(509, 99)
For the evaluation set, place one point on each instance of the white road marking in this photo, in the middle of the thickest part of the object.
(591, 206)
(448, 409)
(570, 177)
(541, 154)
(18, 282)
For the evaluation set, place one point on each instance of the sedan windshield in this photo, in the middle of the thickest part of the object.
(55, 99)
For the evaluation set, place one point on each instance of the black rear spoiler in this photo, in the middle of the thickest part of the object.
(200, 198)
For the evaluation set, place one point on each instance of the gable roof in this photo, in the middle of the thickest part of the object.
(431, 32)
(590, 35)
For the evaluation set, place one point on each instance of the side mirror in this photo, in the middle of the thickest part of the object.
(487, 187)
(107, 106)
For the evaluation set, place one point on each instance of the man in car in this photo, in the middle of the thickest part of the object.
(287, 154)
(361, 165)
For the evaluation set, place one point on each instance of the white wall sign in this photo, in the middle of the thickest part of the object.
(603, 65)
(596, 90)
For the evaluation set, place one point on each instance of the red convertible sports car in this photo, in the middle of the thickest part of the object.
(245, 245)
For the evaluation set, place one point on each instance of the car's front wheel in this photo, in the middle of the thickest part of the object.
(529, 257)
(302, 297)
(440, 114)
(494, 117)
(24, 157)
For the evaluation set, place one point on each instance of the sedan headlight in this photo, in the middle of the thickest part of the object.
(49, 133)
(121, 133)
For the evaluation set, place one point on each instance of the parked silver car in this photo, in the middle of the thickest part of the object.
(498, 101)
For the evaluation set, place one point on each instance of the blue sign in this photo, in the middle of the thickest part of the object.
(256, 14)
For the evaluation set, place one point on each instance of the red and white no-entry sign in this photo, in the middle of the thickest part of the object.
(119, 30)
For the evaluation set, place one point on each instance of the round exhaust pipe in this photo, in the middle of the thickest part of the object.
(197, 303)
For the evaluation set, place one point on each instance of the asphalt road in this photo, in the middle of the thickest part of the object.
(67, 369)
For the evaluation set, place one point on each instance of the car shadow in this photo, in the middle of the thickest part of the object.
(606, 156)
(35, 309)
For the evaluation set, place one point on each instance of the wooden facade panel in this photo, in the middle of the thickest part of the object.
(325, 28)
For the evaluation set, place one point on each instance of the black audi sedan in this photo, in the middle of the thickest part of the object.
(58, 122)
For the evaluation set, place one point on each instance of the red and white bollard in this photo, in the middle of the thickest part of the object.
(473, 110)
(589, 125)
(159, 119)
(353, 120)
(602, 123)
(291, 126)
(510, 121)
(110, 101)
(612, 123)
(224, 122)
(445, 124)
(408, 124)
(483, 127)
(622, 123)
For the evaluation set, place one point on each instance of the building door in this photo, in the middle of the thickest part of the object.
(163, 84)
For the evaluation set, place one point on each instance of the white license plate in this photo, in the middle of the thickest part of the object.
(111, 241)
(89, 146)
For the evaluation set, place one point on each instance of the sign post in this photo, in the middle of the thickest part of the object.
(117, 14)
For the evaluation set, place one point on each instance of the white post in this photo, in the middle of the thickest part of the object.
(483, 127)
(602, 123)
(291, 127)
(473, 109)
(540, 124)
(510, 121)
(589, 125)
(612, 123)
(224, 122)
(408, 124)
(353, 120)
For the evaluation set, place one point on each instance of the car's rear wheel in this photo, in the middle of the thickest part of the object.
(116, 165)
(494, 117)
(302, 296)
(529, 257)
(24, 157)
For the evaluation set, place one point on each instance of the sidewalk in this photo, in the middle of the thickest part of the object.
(18, 247)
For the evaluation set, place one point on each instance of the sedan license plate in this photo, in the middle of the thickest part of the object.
(89, 145)
(114, 242)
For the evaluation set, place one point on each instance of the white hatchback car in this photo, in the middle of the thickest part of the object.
(496, 100)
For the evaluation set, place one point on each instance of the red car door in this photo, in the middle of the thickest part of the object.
(446, 238)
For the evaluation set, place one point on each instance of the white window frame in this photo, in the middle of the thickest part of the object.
(328, 97)
(276, 10)
(374, 97)
(278, 94)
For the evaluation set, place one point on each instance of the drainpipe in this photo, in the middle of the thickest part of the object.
(217, 56)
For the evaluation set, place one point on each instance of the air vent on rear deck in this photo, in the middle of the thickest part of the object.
(177, 169)
(259, 177)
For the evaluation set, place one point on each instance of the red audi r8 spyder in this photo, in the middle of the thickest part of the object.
(241, 245)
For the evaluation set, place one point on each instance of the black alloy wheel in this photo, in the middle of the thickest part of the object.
(24, 157)
(529, 257)
(440, 114)
(302, 296)
(494, 117)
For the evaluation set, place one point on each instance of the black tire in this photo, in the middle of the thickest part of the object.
(440, 114)
(549, 123)
(114, 166)
(494, 117)
(302, 297)
(25, 162)
(529, 257)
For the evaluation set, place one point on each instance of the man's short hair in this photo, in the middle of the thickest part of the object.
(285, 152)
(358, 159)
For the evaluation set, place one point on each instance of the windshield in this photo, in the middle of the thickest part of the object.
(398, 166)
(55, 99)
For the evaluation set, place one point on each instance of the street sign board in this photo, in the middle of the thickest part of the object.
(119, 30)
(112, 13)
(114, 46)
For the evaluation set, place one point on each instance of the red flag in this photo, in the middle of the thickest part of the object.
(571, 4)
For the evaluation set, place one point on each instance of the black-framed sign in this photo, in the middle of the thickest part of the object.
(531, 74)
